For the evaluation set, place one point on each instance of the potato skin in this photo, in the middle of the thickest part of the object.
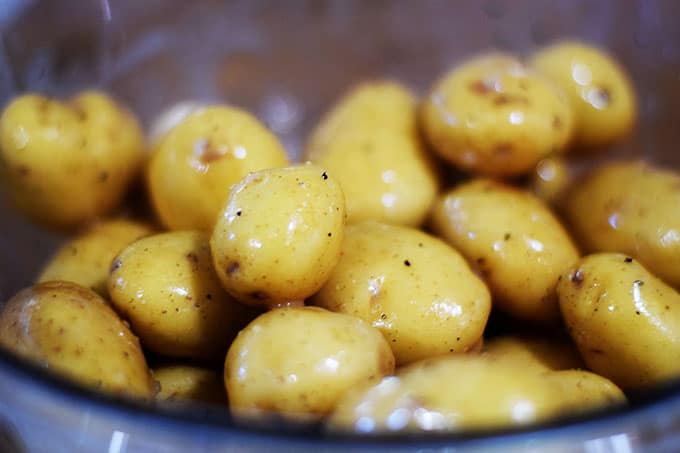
(86, 259)
(299, 361)
(493, 116)
(194, 165)
(599, 91)
(583, 391)
(631, 208)
(279, 235)
(166, 287)
(72, 331)
(449, 393)
(544, 353)
(189, 383)
(512, 239)
(370, 143)
(86, 151)
(418, 291)
(550, 180)
(624, 320)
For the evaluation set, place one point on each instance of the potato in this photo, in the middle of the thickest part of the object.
(299, 361)
(189, 383)
(599, 91)
(624, 320)
(65, 164)
(493, 116)
(632, 208)
(512, 239)
(583, 391)
(86, 259)
(450, 393)
(166, 287)
(72, 331)
(375, 153)
(551, 180)
(279, 235)
(544, 353)
(418, 291)
(196, 162)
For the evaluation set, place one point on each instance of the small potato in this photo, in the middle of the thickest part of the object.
(624, 320)
(189, 383)
(540, 352)
(513, 240)
(550, 180)
(494, 116)
(632, 208)
(166, 287)
(450, 393)
(599, 91)
(65, 164)
(86, 260)
(72, 331)
(583, 391)
(299, 361)
(196, 162)
(376, 155)
(279, 235)
(418, 291)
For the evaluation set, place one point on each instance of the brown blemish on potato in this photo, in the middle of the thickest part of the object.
(115, 265)
(577, 278)
(504, 99)
(259, 295)
(628, 259)
(233, 267)
(207, 153)
(191, 256)
(503, 149)
(596, 351)
(480, 88)
(324, 176)
(103, 176)
(557, 123)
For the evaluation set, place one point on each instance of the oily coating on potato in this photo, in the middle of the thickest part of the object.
(279, 235)
(66, 164)
(370, 143)
(189, 383)
(583, 391)
(87, 258)
(624, 320)
(194, 165)
(512, 239)
(494, 116)
(419, 292)
(543, 352)
(166, 287)
(600, 94)
(551, 180)
(632, 208)
(73, 331)
(299, 361)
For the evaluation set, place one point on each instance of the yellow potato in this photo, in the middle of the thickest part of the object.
(166, 287)
(86, 260)
(299, 361)
(184, 382)
(554, 353)
(370, 143)
(279, 235)
(65, 164)
(624, 320)
(195, 164)
(512, 239)
(450, 393)
(494, 116)
(632, 208)
(550, 180)
(72, 331)
(599, 91)
(583, 391)
(417, 290)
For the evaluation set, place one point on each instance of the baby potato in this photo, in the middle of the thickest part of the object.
(299, 361)
(599, 91)
(376, 155)
(583, 391)
(632, 208)
(279, 235)
(494, 116)
(194, 165)
(512, 239)
(551, 180)
(86, 260)
(544, 353)
(189, 383)
(418, 291)
(624, 320)
(71, 330)
(449, 393)
(166, 287)
(65, 164)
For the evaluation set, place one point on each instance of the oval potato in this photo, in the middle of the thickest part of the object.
(189, 383)
(542, 352)
(583, 391)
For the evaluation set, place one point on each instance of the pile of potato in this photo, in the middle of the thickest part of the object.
(356, 288)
